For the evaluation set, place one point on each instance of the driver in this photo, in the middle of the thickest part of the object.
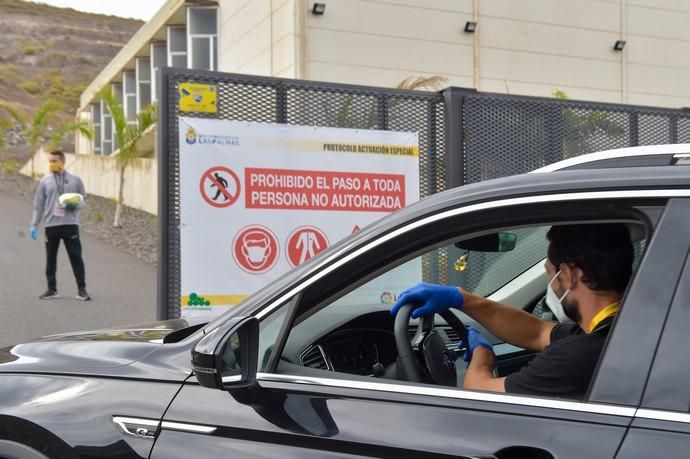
(589, 267)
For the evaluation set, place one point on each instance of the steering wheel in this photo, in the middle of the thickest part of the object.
(429, 344)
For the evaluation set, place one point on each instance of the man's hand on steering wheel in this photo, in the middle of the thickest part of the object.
(429, 299)
(430, 348)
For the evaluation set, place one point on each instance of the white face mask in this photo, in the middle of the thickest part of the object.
(554, 303)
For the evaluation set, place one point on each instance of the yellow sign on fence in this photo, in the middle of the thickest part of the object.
(195, 97)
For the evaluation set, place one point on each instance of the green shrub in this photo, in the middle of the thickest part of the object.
(9, 166)
(86, 60)
(31, 87)
(30, 49)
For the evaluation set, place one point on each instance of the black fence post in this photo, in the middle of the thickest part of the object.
(163, 193)
(673, 128)
(383, 111)
(433, 149)
(455, 149)
(281, 103)
(633, 118)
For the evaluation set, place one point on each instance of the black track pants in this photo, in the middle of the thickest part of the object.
(70, 235)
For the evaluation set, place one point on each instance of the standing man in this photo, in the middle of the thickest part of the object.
(61, 222)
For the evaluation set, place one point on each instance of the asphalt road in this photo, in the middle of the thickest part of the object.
(123, 287)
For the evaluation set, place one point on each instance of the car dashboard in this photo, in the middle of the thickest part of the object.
(354, 351)
(365, 345)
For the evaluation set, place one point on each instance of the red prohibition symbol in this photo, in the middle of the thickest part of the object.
(220, 187)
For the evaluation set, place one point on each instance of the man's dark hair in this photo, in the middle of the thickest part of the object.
(58, 153)
(603, 252)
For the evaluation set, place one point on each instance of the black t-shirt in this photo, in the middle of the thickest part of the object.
(565, 367)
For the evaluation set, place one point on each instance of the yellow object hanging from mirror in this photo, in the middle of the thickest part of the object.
(462, 262)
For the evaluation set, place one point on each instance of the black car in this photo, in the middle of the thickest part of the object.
(310, 365)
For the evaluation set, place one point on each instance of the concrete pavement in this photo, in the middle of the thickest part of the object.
(123, 287)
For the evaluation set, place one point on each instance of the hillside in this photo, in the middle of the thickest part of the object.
(48, 52)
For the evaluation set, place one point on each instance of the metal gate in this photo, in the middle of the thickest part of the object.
(464, 136)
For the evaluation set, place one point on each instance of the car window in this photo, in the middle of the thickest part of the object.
(346, 330)
(486, 272)
(268, 334)
(352, 333)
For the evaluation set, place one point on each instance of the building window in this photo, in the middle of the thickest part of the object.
(202, 44)
(106, 131)
(117, 92)
(129, 85)
(143, 71)
(177, 46)
(158, 60)
(96, 124)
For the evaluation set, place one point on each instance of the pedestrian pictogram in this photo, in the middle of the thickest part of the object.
(304, 243)
(220, 187)
(255, 249)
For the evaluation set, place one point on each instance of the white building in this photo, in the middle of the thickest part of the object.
(528, 47)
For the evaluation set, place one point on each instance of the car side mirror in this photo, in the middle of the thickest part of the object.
(226, 358)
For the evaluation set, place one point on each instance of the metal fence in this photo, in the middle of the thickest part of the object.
(464, 136)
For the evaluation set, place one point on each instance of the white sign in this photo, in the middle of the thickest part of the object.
(260, 199)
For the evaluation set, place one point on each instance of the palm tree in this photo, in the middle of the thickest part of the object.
(128, 136)
(583, 128)
(35, 130)
(364, 116)
(19, 119)
(432, 83)
(3, 125)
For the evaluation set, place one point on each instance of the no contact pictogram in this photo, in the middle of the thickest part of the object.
(220, 187)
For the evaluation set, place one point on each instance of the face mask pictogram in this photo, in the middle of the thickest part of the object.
(256, 248)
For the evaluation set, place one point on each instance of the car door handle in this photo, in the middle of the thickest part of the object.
(522, 452)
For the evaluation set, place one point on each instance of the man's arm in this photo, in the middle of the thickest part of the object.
(39, 205)
(81, 191)
(480, 376)
(512, 325)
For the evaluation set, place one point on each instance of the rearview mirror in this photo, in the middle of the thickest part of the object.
(226, 358)
(502, 241)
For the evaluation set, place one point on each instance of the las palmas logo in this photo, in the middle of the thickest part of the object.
(190, 136)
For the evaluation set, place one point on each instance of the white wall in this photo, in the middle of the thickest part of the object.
(528, 47)
(536, 47)
(82, 144)
(383, 42)
(257, 37)
(659, 52)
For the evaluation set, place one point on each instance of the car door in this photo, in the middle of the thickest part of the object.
(316, 413)
(661, 427)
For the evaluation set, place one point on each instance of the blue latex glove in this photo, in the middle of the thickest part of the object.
(430, 298)
(475, 340)
(33, 232)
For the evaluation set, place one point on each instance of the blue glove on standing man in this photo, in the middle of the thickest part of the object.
(431, 298)
(33, 232)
